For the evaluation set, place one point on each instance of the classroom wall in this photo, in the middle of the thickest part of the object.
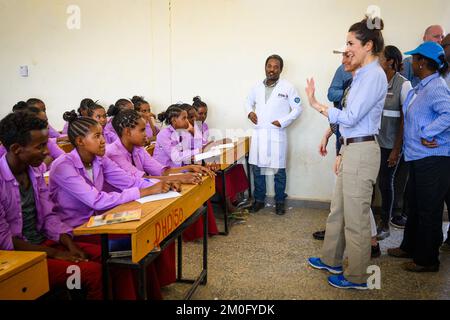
(170, 51)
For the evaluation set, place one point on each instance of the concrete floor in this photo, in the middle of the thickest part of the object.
(264, 258)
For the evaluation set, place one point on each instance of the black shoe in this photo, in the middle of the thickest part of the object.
(319, 235)
(376, 251)
(383, 232)
(398, 222)
(257, 206)
(280, 208)
(244, 204)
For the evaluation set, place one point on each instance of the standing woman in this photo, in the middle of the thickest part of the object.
(427, 150)
(390, 138)
(348, 225)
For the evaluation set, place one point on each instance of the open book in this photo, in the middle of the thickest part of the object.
(113, 218)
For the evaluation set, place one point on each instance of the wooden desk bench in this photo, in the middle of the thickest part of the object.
(158, 221)
(23, 275)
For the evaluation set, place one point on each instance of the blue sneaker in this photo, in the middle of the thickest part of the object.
(316, 263)
(342, 283)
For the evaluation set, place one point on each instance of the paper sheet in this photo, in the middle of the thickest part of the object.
(224, 146)
(210, 154)
(157, 197)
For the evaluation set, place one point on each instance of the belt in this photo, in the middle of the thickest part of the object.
(349, 141)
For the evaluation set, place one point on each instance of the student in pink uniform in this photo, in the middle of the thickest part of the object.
(109, 132)
(236, 179)
(28, 219)
(82, 112)
(77, 182)
(128, 152)
(173, 144)
(143, 107)
(173, 149)
(37, 103)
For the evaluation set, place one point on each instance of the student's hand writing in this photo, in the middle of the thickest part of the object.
(160, 187)
(253, 117)
(175, 186)
(430, 144)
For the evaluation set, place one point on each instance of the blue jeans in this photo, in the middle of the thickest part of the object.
(260, 185)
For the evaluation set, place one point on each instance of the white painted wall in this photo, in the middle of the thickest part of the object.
(172, 50)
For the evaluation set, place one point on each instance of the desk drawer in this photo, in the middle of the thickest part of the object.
(29, 284)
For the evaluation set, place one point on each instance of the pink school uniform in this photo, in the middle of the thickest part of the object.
(138, 162)
(149, 132)
(49, 229)
(78, 197)
(109, 133)
(48, 220)
(173, 148)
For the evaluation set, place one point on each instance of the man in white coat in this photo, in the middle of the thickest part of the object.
(273, 104)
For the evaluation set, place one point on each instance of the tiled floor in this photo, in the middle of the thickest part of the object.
(265, 258)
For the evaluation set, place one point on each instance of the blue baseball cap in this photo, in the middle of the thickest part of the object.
(431, 50)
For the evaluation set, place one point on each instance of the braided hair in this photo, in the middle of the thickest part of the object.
(78, 126)
(125, 119)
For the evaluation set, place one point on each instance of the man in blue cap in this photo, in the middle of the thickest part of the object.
(427, 150)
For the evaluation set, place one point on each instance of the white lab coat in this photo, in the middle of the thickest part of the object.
(269, 143)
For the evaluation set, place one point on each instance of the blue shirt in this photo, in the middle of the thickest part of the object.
(365, 103)
(341, 81)
(427, 116)
(408, 73)
(447, 79)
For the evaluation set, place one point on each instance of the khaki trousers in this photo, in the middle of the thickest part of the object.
(348, 226)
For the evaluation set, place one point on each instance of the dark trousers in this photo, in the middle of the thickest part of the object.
(400, 181)
(386, 179)
(260, 185)
(428, 184)
(447, 202)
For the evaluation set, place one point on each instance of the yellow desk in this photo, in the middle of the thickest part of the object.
(151, 149)
(66, 146)
(158, 221)
(230, 156)
(23, 275)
